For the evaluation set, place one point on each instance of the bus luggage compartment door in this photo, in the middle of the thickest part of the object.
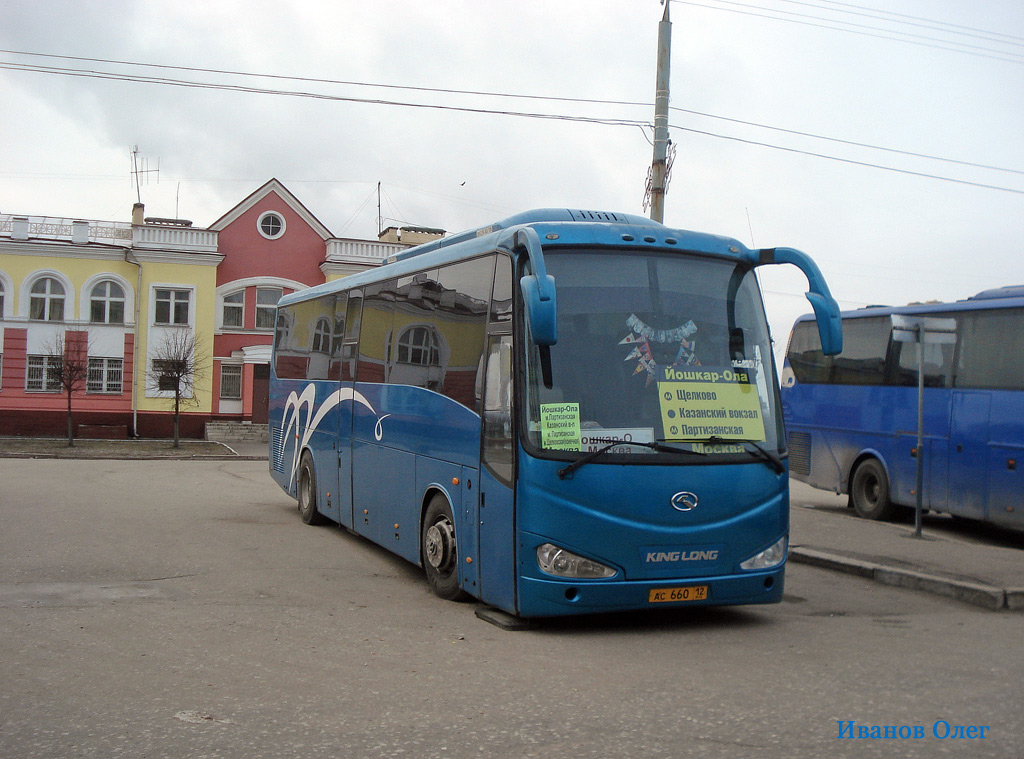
(968, 455)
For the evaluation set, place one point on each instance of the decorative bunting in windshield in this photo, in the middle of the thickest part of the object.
(641, 336)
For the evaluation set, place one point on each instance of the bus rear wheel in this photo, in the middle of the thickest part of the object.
(307, 491)
(869, 491)
(439, 549)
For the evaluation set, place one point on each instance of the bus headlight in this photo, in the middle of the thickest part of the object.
(561, 563)
(768, 558)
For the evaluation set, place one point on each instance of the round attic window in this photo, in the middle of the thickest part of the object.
(271, 225)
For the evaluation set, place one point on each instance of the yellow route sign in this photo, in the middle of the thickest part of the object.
(699, 402)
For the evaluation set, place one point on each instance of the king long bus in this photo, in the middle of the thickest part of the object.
(853, 418)
(565, 412)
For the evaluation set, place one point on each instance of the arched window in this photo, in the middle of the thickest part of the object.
(322, 336)
(46, 300)
(1, 299)
(106, 304)
(419, 346)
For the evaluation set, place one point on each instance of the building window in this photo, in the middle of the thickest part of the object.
(234, 309)
(322, 336)
(266, 306)
(271, 225)
(172, 306)
(419, 346)
(43, 374)
(105, 375)
(106, 304)
(230, 382)
(168, 373)
(46, 302)
(1, 300)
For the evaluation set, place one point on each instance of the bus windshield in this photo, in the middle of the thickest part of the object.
(653, 347)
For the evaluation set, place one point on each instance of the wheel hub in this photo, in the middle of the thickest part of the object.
(439, 544)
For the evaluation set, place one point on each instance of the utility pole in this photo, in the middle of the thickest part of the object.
(659, 167)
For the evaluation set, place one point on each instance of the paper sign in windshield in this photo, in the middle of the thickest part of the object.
(560, 426)
(698, 403)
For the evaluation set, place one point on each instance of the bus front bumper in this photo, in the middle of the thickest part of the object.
(556, 597)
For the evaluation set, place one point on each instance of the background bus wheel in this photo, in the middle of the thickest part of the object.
(439, 550)
(869, 491)
(307, 492)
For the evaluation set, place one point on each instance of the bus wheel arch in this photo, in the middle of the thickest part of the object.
(439, 551)
(870, 490)
(306, 490)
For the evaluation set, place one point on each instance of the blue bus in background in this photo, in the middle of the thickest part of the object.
(852, 418)
(565, 412)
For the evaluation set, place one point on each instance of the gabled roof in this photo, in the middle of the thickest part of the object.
(285, 194)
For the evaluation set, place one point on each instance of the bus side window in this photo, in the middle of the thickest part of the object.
(350, 348)
(461, 319)
(809, 364)
(991, 349)
(377, 321)
(497, 408)
(865, 345)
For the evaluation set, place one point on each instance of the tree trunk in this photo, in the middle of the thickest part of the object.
(177, 412)
(71, 429)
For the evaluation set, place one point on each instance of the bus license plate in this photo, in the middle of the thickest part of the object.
(692, 593)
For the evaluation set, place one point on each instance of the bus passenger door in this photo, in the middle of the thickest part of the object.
(343, 367)
(495, 518)
(968, 455)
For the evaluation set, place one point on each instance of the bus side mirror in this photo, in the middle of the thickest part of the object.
(538, 289)
(826, 310)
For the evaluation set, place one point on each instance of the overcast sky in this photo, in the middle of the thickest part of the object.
(947, 82)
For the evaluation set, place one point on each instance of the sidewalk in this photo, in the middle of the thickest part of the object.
(948, 561)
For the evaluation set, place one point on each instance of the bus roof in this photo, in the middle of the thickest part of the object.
(556, 226)
(999, 297)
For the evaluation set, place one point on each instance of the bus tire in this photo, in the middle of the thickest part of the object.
(307, 492)
(439, 549)
(869, 491)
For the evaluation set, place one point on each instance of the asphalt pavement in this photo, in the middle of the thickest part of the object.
(983, 567)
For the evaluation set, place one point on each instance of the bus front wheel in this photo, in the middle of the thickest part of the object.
(869, 491)
(307, 491)
(440, 550)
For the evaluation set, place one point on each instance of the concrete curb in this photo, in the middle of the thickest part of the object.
(150, 457)
(976, 594)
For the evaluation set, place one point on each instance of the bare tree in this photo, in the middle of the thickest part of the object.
(67, 367)
(177, 365)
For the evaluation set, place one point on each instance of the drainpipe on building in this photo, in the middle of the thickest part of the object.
(138, 219)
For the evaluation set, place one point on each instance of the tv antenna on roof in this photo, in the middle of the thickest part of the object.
(141, 171)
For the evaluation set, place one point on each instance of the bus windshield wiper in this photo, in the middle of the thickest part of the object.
(759, 452)
(655, 446)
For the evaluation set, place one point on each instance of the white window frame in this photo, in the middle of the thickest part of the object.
(111, 376)
(46, 384)
(107, 299)
(235, 369)
(238, 306)
(174, 289)
(49, 298)
(277, 235)
(266, 307)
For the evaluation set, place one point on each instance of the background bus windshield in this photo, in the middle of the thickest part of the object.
(653, 347)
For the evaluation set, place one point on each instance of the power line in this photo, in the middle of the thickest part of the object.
(139, 79)
(922, 18)
(849, 142)
(551, 116)
(827, 24)
(550, 98)
(920, 23)
(848, 160)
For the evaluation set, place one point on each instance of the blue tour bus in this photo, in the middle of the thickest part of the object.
(565, 412)
(852, 418)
